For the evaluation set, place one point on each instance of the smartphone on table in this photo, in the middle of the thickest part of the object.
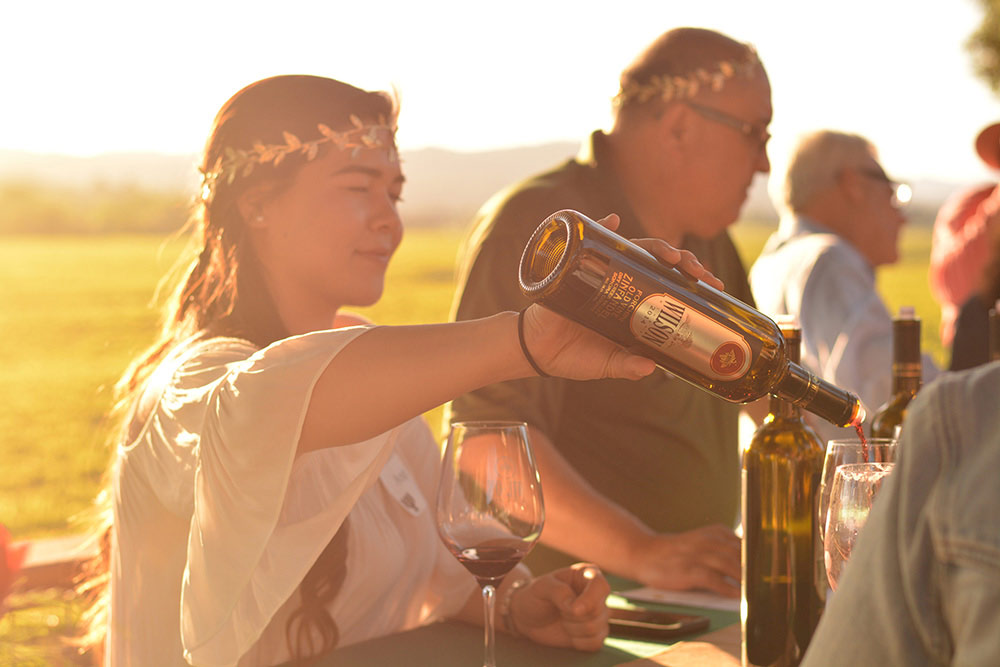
(638, 623)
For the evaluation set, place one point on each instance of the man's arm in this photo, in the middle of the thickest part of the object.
(587, 525)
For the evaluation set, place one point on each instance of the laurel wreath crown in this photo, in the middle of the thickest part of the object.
(241, 162)
(668, 87)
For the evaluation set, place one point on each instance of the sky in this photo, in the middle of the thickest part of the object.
(120, 76)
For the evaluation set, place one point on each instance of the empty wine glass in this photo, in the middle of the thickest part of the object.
(852, 494)
(489, 506)
(849, 450)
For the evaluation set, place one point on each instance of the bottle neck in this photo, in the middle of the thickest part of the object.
(906, 378)
(784, 409)
(830, 402)
(906, 364)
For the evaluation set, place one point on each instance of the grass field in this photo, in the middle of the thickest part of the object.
(74, 310)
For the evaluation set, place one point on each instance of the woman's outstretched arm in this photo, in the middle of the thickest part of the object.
(390, 374)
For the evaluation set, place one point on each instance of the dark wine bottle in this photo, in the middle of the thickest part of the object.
(595, 277)
(783, 589)
(906, 374)
(994, 332)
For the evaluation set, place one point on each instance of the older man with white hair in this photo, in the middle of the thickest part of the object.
(841, 219)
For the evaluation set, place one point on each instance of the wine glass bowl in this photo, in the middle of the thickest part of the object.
(849, 450)
(490, 510)
(852, 494)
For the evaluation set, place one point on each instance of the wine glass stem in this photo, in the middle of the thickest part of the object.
(489, 603)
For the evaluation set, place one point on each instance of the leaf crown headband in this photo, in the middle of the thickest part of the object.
(241, 162)
(667, 87)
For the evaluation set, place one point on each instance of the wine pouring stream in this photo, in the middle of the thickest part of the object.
(610, 285)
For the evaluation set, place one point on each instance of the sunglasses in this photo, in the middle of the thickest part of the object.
(901, 192)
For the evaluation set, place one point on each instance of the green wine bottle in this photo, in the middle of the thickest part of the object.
(783, 585)
(595, 277)
(907, 372)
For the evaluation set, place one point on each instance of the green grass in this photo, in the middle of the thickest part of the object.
(31, 632)
(73, 311)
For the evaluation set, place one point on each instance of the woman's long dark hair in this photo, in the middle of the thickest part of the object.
(223, 293)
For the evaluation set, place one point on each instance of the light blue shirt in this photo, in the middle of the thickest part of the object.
(807, 271)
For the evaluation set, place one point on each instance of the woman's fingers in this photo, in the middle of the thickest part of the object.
(684, 260)
(611, 221)
(588, 589)
(565, 608)
(583, 609)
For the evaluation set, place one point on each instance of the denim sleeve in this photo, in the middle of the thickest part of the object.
(923, 583)
(965, 517)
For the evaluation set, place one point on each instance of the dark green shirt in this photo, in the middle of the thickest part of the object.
(663, 449)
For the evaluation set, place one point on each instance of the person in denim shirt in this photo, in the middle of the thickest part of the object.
(923, 583)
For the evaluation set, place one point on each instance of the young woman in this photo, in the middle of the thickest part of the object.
(248, 521)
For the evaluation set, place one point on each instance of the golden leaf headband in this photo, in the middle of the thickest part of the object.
(241, 162)
(667, 87)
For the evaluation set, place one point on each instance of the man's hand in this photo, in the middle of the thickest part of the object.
(706, 558)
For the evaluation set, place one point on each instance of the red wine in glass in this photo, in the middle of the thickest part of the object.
(489, 506)
(490, 561)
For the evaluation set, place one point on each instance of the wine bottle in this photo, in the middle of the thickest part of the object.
(595, 277)
(782, 586)
(906, 374)
(994, 332)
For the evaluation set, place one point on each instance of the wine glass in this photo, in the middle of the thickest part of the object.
(489, 506)
(849, 450)
(852, 494)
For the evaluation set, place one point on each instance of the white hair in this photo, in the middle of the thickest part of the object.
(817, 160)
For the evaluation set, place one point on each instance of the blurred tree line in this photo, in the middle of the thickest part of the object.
(32, 208)
(984, 45)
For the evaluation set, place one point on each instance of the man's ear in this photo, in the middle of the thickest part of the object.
(850, 182)
(251, 204)
(674, 126)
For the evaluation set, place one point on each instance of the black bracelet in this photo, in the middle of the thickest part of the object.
(524, 346)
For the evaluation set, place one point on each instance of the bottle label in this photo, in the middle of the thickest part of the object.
(908, 369)
(692, 338)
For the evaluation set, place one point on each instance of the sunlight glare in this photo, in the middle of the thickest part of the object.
(904, 193)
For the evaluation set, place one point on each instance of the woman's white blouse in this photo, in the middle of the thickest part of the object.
(217, 521)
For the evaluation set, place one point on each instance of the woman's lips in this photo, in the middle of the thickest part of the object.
(377, 255)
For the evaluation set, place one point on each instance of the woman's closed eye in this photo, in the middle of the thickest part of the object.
(354, 183)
